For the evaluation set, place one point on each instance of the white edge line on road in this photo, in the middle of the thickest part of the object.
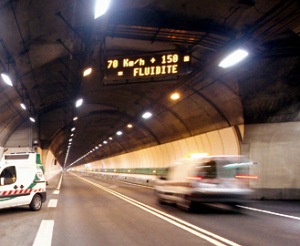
(59, 183)
(269, 212)
(44, 234)
(173, 220)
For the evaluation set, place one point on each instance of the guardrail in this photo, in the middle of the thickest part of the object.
(145, 176)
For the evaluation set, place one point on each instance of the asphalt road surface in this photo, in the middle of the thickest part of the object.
(86, 209)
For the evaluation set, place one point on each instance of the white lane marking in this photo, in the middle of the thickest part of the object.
(59, 183)
(197, 231)
(269, 212)
(44, 234)
(56, 192)
(52, 203)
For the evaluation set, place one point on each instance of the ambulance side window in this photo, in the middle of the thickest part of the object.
(8, 176)
(207, 170)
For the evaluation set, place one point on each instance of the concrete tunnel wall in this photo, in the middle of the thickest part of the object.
(52, 167)
(276, 147)
(221, 142)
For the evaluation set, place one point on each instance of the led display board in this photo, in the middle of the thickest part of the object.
(142, 66)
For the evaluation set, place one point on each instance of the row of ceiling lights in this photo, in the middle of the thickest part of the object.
(7, 80)
(78, 104)
(101, 6)
(146, 115)
(230, 60)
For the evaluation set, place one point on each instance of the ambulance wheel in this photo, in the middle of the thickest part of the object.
(36, 203)
(162, 201)
(186, 205)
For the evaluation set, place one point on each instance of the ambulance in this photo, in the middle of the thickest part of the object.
(22, 181)
(203, 179)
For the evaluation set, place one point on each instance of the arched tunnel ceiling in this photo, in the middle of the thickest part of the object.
(46, 45)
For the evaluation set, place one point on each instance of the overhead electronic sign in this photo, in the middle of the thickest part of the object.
(142, 66)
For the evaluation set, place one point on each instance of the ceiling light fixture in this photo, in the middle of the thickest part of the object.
(32, 119)
(119, 133)
(101, 7)
(79, 103)
(147, 115)
(73, 129)
(129, 126)
(233, 58)
(23, 106)
(175, 96)
(75, 118)
(6, 79)
(87, 72)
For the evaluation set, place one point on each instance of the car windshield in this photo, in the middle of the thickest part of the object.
(223, 168)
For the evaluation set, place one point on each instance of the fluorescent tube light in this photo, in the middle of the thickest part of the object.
(23, 106)
(175, 96)
(79, 103)
(87, 72)
(233, 58)
(101, 7)
(147, 115)
(6, 79)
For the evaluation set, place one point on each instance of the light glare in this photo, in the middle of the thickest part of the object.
(175, 96)
(87, 72)
(79, 102)
(147, 115)
(233, 58)
(23, 106)
(101, 7)
(6, 79)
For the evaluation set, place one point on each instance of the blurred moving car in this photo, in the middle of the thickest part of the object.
(206, 179)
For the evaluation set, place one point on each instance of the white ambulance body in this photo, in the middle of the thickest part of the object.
(22, 181)
(206, 179)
